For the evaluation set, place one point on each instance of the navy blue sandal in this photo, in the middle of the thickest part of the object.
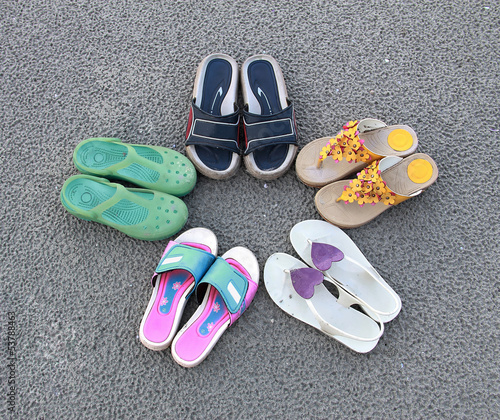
(213, 127)
(269, 119)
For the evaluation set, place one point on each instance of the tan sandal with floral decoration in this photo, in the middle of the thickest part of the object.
(383, 184)
(357, 144)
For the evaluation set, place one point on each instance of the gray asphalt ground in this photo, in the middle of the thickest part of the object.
(77, 290)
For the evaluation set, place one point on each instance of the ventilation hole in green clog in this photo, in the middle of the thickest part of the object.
(139, 172)
(100, 154)
(149, 154)
(126, 213)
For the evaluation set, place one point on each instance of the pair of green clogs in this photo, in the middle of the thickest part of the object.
(152, 212)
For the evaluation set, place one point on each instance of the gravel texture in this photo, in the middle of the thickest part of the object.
(79, 69)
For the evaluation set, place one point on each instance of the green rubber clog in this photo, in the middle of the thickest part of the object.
(153, 167)
(139, 213)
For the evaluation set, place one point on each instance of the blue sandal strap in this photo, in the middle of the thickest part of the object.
(266, 130)
(231, 284)
(219, 131)
(184, 257)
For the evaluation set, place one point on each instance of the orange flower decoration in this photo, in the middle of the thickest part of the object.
(337, 153)
(363, 175)
(379, 187)
(354, 143)
(367, 187)
(368, 199)
(371, 173)
(355, 185)
(349, 154)
(363, 199)
(374, 197)
(346, 144)
(352, 132)
(343, 141)
(372, 169)
(389, 198)
(362, 155)
(348, 195)
(325, 152)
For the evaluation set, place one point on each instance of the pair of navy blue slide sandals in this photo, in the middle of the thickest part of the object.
(268, 119)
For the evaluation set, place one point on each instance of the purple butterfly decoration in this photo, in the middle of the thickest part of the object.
(323, 255)
(304, 280)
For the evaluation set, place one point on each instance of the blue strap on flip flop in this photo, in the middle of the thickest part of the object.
(268, 130)
(219, 131)
(231, 284)
(183, 257)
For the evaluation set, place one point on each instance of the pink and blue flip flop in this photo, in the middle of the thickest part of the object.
(228, 287)
(182, 266)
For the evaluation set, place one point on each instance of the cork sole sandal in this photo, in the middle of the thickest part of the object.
(357, 144)
(383, 184)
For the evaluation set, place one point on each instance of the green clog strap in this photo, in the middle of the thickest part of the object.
(231, 284)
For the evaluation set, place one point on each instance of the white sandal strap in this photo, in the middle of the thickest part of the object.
(331, 330)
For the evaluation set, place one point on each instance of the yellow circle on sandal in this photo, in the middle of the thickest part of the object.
(419, 171)
(400, 139)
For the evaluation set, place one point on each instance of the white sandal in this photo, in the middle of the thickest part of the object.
(298, 290)
(329, 249)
